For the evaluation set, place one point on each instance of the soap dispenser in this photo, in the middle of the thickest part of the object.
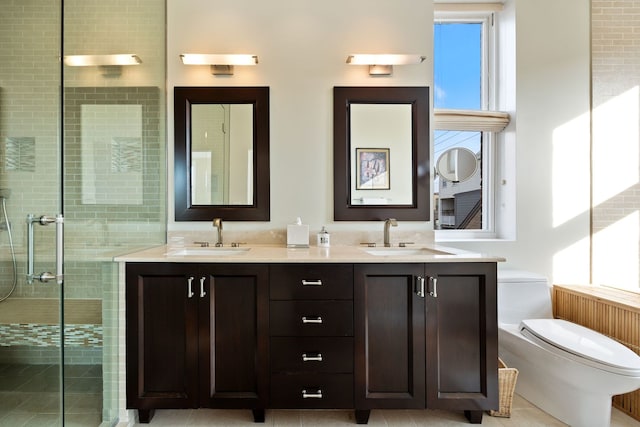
(323, 238)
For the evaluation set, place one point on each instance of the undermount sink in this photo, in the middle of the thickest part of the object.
(404, 251)
(208, 251)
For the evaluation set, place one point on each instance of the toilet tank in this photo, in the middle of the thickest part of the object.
(523, 295)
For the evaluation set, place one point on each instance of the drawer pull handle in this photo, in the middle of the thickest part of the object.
(317, 319)
(312, 394)
(317, 357)
(311, 282)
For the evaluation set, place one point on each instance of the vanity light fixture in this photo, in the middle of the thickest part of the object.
(221, 64)
(382, 64)
(109, 65)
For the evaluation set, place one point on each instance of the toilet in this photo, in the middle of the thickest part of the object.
(569, 371)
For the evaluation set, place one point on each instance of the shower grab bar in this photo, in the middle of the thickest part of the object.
(45, 276)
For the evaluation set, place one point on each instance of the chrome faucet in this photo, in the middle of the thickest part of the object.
(389, 222)
(217, 223)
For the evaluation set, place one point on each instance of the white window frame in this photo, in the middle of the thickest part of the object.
(490, 139)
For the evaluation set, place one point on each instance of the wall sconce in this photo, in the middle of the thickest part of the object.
(109, 65)
(221, 64)
(382, 64)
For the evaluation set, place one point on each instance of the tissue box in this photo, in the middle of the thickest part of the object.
(297, 236)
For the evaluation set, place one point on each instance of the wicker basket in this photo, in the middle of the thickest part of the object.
(506, 384)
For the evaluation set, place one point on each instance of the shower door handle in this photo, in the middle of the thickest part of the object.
(45, 276)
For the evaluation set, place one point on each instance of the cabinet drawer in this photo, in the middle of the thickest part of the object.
(311, 318)
(311, 281)
(312, 354)
(313, 391)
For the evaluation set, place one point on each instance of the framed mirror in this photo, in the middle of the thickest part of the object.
(381, 153)
(221, 153)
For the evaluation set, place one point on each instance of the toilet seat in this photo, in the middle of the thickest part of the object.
(582, 345)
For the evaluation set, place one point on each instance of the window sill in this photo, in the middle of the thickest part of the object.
(442, 236)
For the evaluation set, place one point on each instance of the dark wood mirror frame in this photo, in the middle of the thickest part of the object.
(418, 97)
(184, 97)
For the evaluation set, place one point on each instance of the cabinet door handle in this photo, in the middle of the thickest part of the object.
(202, 292)
(420, 286)
(312, 394)
(190, 290)
(316, 319)
(311, 282)
(434, 292)
(312, 357)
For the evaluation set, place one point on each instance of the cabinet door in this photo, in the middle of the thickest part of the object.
(234, 337)
(389, 337)
(462, 337)
(161, 337)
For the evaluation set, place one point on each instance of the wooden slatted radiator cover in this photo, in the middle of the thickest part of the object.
(612, 312)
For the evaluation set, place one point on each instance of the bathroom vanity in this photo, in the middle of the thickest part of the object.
(340, 327)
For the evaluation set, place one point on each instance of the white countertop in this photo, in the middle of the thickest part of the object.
(282, 254)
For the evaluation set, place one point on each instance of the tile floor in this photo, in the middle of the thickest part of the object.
(29, 398)
(29, 395)
(523, 414)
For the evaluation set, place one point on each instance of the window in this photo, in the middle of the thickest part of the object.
(464, 95)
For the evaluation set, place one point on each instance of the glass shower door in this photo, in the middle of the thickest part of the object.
(31, 350)
(88, 143)
(114, 184)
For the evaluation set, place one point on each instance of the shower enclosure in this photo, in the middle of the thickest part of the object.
(83, 146)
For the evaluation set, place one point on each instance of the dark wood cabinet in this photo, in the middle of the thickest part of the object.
(233, 335)
(426, 336)
(162, 354)
(197, 336)
(462, 338)
(312, 335)
(389, 337)
(311, 332)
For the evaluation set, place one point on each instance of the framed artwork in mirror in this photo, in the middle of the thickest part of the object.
(372, 169)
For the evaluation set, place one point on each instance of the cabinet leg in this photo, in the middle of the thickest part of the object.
(474, 417)
(145, 415)
(362, 416)
(258, 415)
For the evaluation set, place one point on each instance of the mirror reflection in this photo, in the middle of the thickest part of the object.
(381, 155)
(222, 154)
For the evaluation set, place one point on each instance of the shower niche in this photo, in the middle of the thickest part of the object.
(112, 142)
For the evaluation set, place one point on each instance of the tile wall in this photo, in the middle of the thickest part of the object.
(616, 142)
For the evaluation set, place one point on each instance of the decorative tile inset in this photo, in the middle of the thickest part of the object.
(126, 154)
(20, 154)
(39, 335)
